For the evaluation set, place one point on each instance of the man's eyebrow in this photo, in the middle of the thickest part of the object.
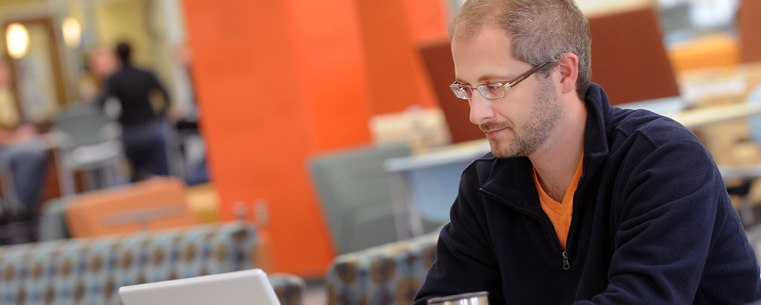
(489, 77)
(486, 78)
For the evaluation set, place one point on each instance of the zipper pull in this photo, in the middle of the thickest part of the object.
(566, 264)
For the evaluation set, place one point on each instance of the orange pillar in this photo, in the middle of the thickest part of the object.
(278, 81)
(428, 20)
(391, 31)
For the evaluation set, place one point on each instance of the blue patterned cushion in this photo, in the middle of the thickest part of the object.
(383, 275)
(90, 271)
(289, 288)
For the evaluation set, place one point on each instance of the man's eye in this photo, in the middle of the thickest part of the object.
(494, 87)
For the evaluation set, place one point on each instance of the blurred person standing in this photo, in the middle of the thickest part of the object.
(143, 127)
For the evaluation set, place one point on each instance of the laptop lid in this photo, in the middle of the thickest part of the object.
(249, 287)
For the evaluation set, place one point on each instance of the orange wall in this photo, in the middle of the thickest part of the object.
(428, 20)
(279, 81)
(272, 91)
(331, 71)
(395, 71)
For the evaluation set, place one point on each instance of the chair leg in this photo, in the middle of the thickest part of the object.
(746, 212)
(65, 176)
(91, 180)
(108, 177)
(743, 191)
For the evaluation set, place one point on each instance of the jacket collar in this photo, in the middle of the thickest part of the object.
(516, 172)
(596, 135)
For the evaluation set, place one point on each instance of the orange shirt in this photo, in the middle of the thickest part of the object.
(560, 213)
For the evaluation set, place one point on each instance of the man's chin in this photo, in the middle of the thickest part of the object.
(505, 150)
(499, 151)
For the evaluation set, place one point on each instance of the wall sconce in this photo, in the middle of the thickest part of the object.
(17, 40)
(72, 32)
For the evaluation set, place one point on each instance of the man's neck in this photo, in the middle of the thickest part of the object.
(556, 162)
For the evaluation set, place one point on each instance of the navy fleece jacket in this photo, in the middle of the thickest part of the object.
(652, 224)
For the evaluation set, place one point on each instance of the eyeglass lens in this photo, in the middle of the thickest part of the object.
(489, 91)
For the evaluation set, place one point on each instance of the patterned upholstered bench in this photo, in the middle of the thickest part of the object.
(383, 275)
(90, 271)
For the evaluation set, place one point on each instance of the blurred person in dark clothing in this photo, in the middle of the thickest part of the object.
(143, 126)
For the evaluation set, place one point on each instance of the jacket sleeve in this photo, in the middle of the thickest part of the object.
(166, 103)
(108, 91)
(464, 258)
(675, 220)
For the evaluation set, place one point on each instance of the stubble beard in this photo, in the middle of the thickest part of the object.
(534, 131)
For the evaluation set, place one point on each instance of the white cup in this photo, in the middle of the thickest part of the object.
(471, 298)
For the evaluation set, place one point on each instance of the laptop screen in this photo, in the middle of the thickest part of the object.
(249, 287)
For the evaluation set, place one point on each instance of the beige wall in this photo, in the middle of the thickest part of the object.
(599, 6)
(114, 20)
(109, 22)
(135, 21)
(8, 3)
(124, 20)
(12, 10)
(593, 7)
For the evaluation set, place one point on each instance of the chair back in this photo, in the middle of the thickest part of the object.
(156, 203)
(355, 194)
(748, 26)
(629, 59)
(84, 125)
(437, 56)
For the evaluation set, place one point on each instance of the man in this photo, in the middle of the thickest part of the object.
(143, 128)
(579, 202)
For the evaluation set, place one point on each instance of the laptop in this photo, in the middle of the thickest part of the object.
(249, 287)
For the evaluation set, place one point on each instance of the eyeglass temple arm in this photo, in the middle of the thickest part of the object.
(525, 75)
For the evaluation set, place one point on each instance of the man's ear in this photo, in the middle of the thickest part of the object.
(568, 65)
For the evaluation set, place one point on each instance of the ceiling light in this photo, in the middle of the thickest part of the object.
(17, 40)
(72, 32)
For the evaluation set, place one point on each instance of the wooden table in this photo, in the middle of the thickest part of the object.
(725, 98)
(425, 185)
(708, 115)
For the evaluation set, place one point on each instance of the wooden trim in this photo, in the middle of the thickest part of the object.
(55, 61)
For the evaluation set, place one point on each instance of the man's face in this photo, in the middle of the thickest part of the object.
(522, 121)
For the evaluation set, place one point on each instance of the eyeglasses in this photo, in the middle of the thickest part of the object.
(491, 91)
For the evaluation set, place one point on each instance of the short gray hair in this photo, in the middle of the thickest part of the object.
(541, 30)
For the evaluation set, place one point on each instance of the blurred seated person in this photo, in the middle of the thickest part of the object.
(143, 127)
(24, 159)
(23, 162)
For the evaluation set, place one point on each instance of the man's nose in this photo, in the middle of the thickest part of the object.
(480, 108)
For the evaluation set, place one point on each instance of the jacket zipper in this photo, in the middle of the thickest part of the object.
(564, 252)
(566, 264)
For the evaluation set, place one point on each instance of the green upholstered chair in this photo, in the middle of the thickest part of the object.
(355, 194)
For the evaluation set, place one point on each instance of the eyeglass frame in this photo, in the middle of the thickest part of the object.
(457, 87)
